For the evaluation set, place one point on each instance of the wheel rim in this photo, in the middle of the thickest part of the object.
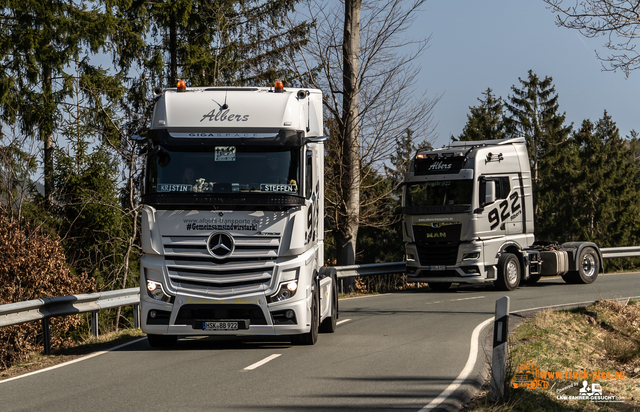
(588, 265)
(512, 272)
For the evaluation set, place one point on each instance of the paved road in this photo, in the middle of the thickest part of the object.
(395, 352)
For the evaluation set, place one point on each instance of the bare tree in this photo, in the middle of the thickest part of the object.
(369, 79)
(618, 20)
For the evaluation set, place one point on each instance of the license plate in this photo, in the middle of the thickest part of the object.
(220, 325)
(437, 268)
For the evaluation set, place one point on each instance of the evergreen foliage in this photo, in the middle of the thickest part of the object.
(39, 41)
(226, 42)
(607, 188)
(487, 121)
(534, 116)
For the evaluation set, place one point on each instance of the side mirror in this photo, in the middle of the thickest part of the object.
(490, 193)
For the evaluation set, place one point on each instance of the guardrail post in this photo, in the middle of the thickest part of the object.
(136, 316)
(94, 323)
(500, 347)
(46, 338)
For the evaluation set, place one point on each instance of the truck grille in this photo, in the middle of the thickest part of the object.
(249, 268)
(437, 245)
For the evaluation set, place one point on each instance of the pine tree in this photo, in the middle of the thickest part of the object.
(227, 42)
(39, 41)
(487, 121)
(608, 199)
(534, 110)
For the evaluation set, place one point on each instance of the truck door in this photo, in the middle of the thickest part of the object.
(499, 214)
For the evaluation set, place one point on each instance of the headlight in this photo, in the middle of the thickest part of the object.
(286, 291)
(471, 256)
(156, 291)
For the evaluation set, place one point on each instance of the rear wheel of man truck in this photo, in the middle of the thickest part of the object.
(508, 272)
(588, 268)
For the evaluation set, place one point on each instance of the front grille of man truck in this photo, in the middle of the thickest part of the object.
(249, 268)
(437, 244)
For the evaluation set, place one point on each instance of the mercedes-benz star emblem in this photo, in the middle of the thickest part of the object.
(220, 245)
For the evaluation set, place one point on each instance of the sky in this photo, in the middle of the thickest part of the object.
(491, 43)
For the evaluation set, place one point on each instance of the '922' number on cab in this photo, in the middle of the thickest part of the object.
(503, 211)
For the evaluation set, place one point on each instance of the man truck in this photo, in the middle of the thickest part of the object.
(232, 220)
(468, 218)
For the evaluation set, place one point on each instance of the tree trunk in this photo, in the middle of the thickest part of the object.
(134, 235)
(348, 232)
(173, 51)
(46, 134)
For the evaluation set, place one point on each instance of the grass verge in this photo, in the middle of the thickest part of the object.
(577, 345)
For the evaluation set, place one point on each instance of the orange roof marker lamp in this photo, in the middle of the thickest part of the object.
(182, 86)
(278, 87)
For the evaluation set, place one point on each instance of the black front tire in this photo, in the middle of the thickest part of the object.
(509, 274)
(162, 341)
(311, 337)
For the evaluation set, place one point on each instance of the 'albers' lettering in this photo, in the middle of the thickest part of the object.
(222, 116)
(439, 165)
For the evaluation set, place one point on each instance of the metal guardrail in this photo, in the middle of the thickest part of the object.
(43, 309)
(620, 252)
(369, 269)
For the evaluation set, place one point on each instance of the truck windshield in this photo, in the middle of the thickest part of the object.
(439, 193)
(223, 169)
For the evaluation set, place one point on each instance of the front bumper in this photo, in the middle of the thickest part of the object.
(463, 271)
(178, 318)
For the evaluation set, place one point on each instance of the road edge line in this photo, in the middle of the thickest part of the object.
(466, 371)
(60, 365)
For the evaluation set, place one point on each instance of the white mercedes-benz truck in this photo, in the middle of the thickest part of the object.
(468, 218)
(232, 223)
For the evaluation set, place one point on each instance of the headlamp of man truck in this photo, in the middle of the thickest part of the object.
(155, 290)
(471, 256)
(287, 290)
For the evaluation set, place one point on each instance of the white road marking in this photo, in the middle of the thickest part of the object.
(262, 362)
(60, 365)
(342, 321)
(476, 297)
(468, 368)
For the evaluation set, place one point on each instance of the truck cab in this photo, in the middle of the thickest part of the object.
(232, 227)
(469, 218)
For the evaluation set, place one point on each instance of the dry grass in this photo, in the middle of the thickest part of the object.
(602, 337)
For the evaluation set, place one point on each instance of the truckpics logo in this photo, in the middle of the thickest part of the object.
(528, 376)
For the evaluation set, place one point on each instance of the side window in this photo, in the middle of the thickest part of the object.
(503, 187)
(308, 178)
